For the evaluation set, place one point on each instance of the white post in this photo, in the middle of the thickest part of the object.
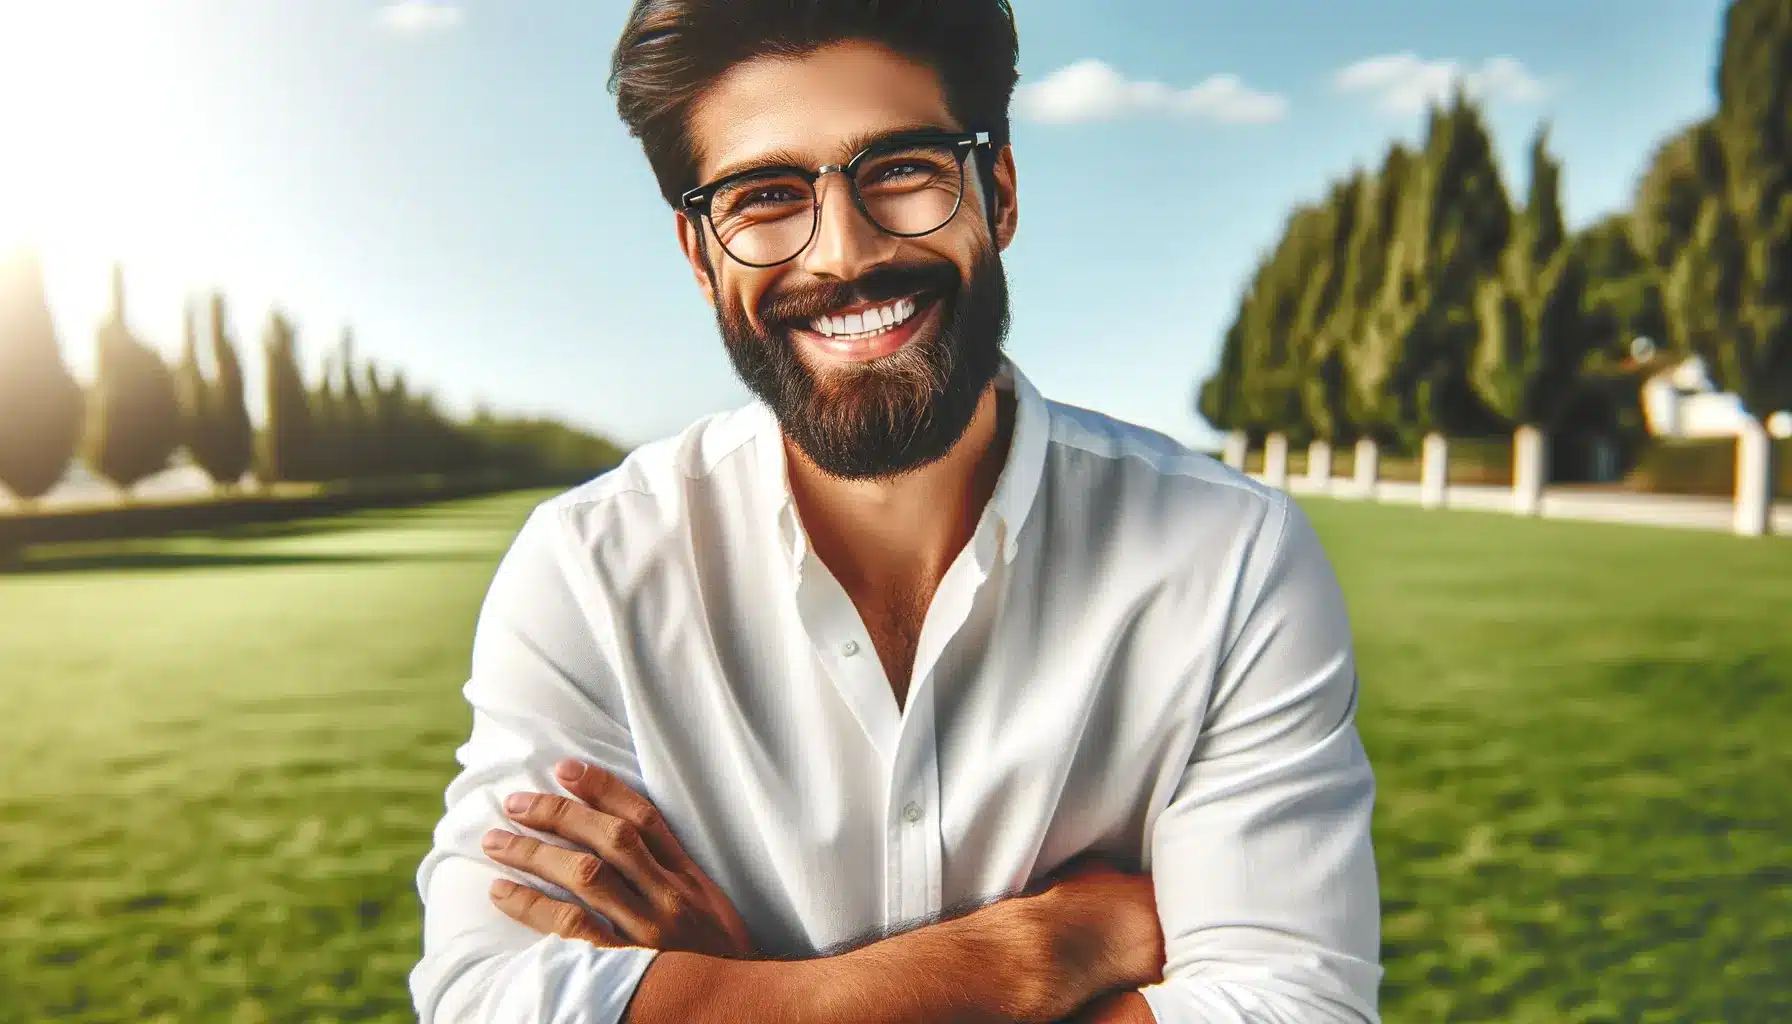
(1368, 466)
(1275, 460)
(1530, 467)
(1434, 471)
(1754, 484)
(1238, 443)
(1319, 465)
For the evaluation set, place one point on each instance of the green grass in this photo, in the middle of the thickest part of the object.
(222, 759)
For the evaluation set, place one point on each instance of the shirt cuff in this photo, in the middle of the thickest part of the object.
(562, 980)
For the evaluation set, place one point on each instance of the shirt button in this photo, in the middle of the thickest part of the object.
(911, 813)
(849, 648)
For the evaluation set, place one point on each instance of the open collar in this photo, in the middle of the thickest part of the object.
(1015, 493)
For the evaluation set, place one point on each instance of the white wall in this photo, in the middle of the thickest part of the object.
(1683, 402)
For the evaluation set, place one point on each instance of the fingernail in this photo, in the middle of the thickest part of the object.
(494, 839)
(517, 803)
(502, 888)
(570, 771)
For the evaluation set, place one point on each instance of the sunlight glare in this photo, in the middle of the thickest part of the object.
(92, 120)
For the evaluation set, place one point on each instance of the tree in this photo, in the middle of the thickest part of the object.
(1752, 237)
(1623, 300)
(1365, 324)
(394, 414)
(1682, 173)
(1323, 383)
(1714, 215)
(381, 424)
(40, 401)
(194, 392)
(353, 426)
(1362, 319)
(1216, 398)
(1532, 331)
(136, 416)
(1703, 291)
(1459, 222)
(326, 424)
(1444, 224)
(1416, 297)
(229, 448)
(288, 439)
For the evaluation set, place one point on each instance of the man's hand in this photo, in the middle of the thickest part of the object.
(1090, 931)
(1103, 934)
(631, 870)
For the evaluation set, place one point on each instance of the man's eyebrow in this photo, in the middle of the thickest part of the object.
(773, 158)
(849, 146)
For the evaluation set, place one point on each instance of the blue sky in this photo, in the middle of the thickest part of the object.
(453, 181)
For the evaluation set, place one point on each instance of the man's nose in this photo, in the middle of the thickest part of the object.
(846, 244)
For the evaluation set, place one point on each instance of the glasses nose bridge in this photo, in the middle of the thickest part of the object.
(854, 205)
(819, 185)
(842, 249)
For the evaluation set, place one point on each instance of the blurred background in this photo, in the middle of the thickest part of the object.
(304, 306)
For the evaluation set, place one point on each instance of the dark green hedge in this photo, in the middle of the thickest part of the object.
(150, 519)
(1701, 468)
(1704, 467)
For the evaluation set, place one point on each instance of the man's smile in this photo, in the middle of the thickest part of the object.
(868, 331)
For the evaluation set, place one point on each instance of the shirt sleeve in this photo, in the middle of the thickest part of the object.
(1265, 874)
(540, 691)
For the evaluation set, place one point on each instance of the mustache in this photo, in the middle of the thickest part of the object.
(798, 304)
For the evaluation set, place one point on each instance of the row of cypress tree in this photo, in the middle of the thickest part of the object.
(354, 422)
(1418, 297)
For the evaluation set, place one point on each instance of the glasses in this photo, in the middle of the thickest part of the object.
(908, 185)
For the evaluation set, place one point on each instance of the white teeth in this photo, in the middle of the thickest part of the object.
(867, 322)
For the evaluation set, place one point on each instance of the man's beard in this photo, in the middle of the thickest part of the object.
(880, 419)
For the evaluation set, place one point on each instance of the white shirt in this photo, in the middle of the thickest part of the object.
(1139, 652)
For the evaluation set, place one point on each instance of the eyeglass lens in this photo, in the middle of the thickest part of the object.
(910, 190)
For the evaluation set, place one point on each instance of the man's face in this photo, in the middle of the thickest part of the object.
(860, 407)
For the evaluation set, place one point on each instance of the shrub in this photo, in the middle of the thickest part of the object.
(1703, 467)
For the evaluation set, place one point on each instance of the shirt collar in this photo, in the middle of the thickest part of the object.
(1019, 483)
(1015, 491)
(773, 483)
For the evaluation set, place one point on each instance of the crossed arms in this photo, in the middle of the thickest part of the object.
(1033, 957)
(1262, 881)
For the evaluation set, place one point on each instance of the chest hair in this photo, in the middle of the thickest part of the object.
(893, 617)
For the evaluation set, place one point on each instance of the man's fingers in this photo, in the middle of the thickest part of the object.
(536, 910)
(607, 793)
(589, 877)
(615, 841)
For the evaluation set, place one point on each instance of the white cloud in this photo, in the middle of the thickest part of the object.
(1402, 83)
(1090, 90)
(411, 17)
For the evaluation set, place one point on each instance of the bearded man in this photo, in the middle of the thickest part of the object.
(903, 694)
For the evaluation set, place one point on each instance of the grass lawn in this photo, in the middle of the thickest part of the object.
(222, 758)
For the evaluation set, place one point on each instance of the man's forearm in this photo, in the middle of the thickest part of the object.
(1123, 1008)
(990, 966)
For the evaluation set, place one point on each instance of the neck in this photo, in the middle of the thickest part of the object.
(905, 531)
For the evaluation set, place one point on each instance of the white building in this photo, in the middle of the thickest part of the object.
(1681, 402)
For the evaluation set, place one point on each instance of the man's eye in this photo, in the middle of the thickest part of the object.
(907, 169)
(772, 195)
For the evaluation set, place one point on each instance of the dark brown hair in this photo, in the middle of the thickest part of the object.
(672, 50)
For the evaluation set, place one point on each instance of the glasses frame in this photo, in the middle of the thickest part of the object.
(695, 203)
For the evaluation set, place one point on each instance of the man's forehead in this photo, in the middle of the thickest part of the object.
(818, 106)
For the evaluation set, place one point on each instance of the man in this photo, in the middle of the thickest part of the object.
(834, 708)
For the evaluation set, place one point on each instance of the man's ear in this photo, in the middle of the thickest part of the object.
(696, 252)
(1007, 220)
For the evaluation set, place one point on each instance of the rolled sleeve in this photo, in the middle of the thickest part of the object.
(540, 691)
(1262, 860)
